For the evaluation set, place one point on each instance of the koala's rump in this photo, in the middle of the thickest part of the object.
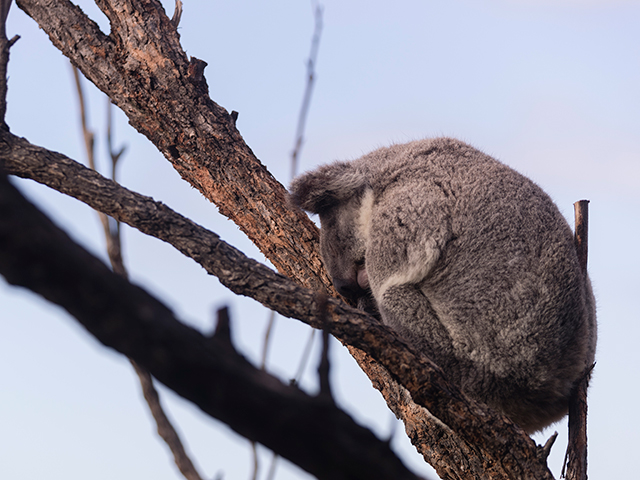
(494, 259)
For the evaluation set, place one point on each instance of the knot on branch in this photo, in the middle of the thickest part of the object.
(195, 73)
(222, 333)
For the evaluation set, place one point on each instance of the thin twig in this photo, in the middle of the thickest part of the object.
(272, 468)
(113, 154)
(87, 134)
(5, 45)
(177, 14)
(165, 428)
(256, 464)
(304, 360)
(114, 249)
(267, 338)
(311, 75)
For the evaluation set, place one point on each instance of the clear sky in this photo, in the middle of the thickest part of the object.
(549, 87)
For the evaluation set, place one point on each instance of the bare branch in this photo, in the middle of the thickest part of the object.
(113, 153)
(177, 14)
(114, 250)
(576, 456)
(306, 98)
(256, 466)
(267, 338)
(165, 428)
(5, 45)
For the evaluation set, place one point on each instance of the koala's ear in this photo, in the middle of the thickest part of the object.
(326, 187)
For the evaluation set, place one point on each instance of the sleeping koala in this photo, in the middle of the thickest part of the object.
(469, 261)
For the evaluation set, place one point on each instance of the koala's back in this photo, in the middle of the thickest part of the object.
(502, 274)
(471, 262)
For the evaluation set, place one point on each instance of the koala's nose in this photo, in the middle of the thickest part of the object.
(348, 288)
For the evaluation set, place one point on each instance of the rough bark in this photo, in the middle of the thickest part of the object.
(142, 68)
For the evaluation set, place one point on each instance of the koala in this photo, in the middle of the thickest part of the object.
(467, 260)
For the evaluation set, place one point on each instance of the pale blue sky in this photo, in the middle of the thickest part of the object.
(550, 88)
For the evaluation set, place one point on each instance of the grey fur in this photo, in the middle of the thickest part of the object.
(471, 262)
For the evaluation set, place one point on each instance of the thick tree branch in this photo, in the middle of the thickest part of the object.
(141, 66)
(502, 449)
(309, 431)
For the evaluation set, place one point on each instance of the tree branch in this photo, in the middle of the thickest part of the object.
(165, 428)
(576, 456)
(141, 66)
(5, 45)
(309, 431)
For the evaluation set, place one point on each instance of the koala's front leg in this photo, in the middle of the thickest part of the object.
(407, 310)
(404, 244)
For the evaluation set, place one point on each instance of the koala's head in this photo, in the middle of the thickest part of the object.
(335, 193)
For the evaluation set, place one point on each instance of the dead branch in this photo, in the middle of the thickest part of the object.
(165, 428)
(576, 456)
(308, 89)
(5, 45)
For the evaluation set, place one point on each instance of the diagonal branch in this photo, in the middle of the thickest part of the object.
(141, 66)
(309, 431)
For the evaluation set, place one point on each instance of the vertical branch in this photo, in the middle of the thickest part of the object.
(325, 366)
(112, 226)
(581, 236)
(304, 111)
(299, 138)
(306, 99)
(576, 457)
(5, 45)
(87, 134)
